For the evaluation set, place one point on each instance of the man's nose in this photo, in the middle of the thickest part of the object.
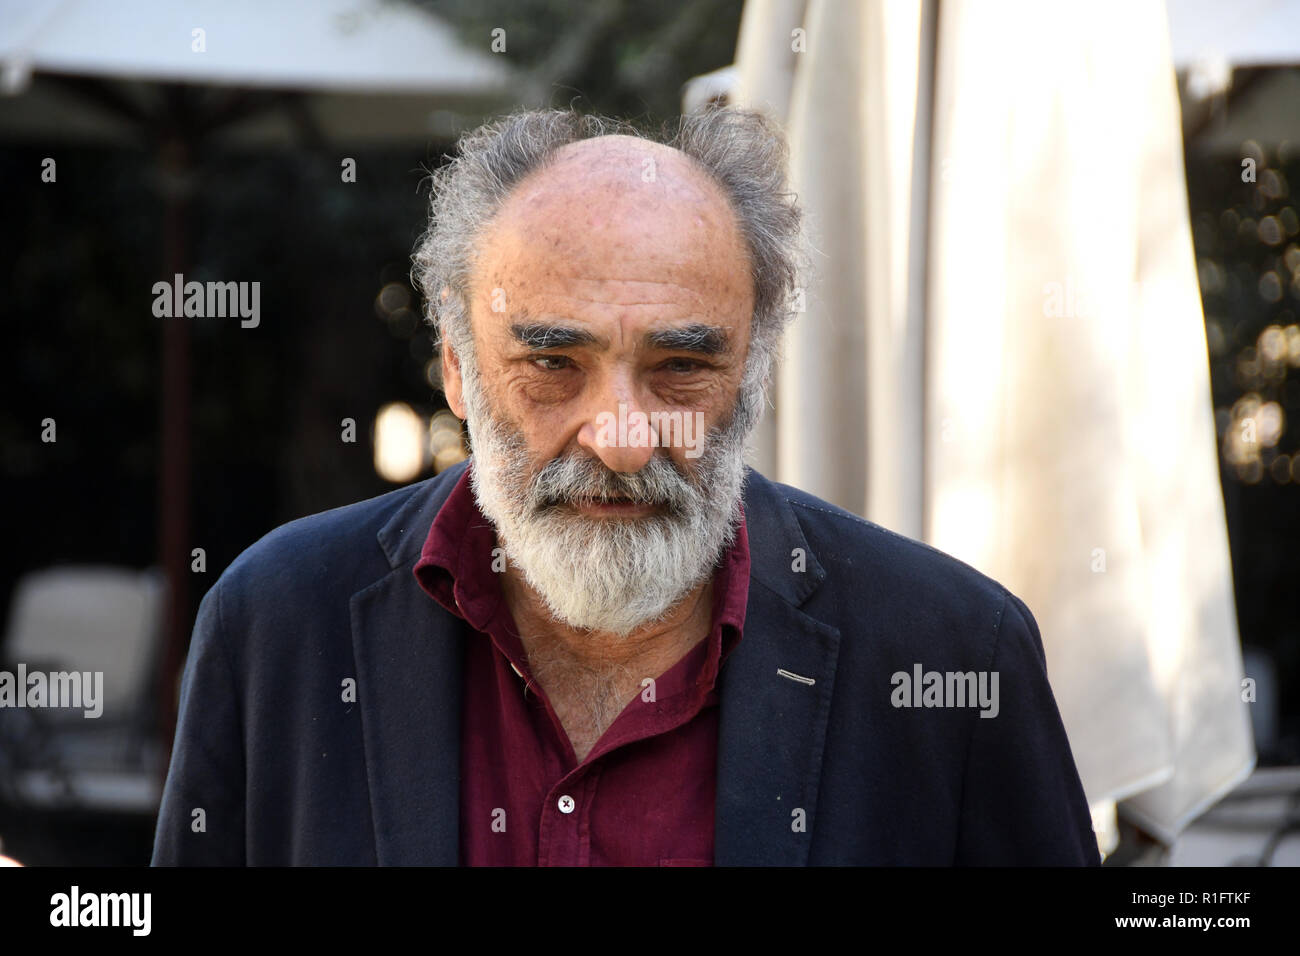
(618, 430)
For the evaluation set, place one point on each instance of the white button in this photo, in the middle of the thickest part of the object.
(566, 804)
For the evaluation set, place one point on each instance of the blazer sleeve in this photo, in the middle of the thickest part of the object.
(1022, 800)
(201, 820)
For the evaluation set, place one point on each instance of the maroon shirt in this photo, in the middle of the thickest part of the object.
(644, 796)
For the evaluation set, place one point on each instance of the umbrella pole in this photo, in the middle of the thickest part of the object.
(174, 473)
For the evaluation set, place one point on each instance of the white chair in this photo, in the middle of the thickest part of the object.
(97, 620)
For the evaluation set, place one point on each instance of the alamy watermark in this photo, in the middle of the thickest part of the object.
(214, 300)
(656, 430)
(129, 910)
(61, 689)
(923, 688)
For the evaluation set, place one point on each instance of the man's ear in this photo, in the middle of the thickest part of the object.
(451, 380)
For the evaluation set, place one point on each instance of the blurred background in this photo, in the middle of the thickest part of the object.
(1055, 331)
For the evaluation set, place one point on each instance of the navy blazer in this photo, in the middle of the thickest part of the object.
(274, 764)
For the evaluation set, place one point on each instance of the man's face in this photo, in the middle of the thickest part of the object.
(611, 310)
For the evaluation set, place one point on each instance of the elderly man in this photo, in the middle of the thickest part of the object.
(604, 640)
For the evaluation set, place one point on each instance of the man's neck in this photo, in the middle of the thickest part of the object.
(590, 676)
(684, 626)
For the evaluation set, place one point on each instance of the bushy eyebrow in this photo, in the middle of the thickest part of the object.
(543, 335)
(699, 337)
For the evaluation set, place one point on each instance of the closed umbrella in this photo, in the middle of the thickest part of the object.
(1003, 352)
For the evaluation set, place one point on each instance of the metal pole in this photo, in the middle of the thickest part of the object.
(174, 434)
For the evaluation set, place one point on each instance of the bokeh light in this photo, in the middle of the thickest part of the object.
(399, 443)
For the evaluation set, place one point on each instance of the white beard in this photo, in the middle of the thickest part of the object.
(611, 575)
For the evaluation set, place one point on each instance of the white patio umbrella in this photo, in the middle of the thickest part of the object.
(357, 69)
(1004, 355)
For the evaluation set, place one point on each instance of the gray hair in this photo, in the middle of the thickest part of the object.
(743, 151)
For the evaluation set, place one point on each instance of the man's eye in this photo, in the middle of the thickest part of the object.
(552, 363)
(682, 365)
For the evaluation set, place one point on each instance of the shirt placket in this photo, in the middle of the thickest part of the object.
(564, 836)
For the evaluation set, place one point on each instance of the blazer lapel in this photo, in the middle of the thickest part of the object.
(408, 653)
(775, 691)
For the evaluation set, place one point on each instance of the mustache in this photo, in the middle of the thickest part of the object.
(574, 478)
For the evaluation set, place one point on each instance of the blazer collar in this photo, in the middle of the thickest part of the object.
(403, 535)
